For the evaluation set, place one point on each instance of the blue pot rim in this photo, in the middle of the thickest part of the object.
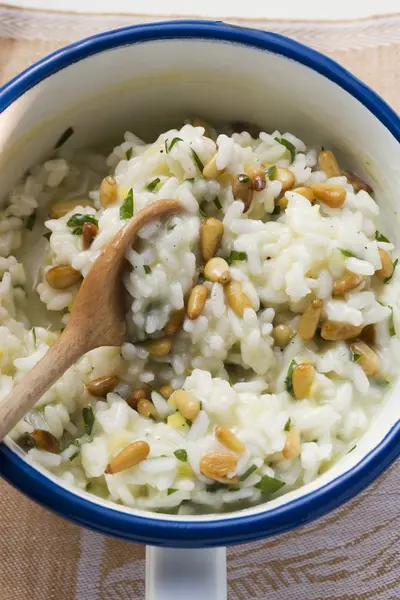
(231, 530)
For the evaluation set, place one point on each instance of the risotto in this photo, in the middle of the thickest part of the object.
(261, 321)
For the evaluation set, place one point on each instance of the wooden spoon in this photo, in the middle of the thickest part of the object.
(97, 319)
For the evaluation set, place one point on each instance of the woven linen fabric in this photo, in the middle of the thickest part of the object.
(351, 554)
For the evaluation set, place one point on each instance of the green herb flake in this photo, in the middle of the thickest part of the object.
(153, 184)
(88, 419)
(128, 153)
(289, 376)
(355, 357)
(269, 485)
(392, 329)
(394, 267)
(166, 146)
(47, 235)
(289, 146)
(77, 221)
(191, 179)
(171, 491)
(126, 208)
(235, 255)
(277, 210)
(248, 472)
(351, 449)
(217, 203)
(287, 425)
(197, 160)
(346, 253)
(174, 141)
(272, 173)
(243, 178)
(147, 269)
(31, 221)
(171, 226)
(380, 237)
(64, 137)
(181, 455)
(34, 336)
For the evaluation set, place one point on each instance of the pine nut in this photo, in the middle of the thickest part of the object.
(306, 192)
(45, 441)
(166, 391)
(309, 320)
(236, 299)
(348, 281)
(175, 321)
(282, 335)
(62, 277)
(211, 233)
(229, 439)
(357, 183)
(211, 170)
(217, 270)
(89, 232)
(283, 202)
(386, 269)
(368, 359)
(302, 379)
(128, 457)
(60, 209)
(218, 465)
(330, 193)
(286, 177)
(137, 395)
(108, 191)
(242, 190)
(102, 386)
(336, 330)
(186, 403)
(196, 302)
(292, 445)
(146, 409)
(159, 347)
(328, 163)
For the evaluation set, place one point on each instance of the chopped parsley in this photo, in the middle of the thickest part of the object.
(171, 491)
(166, 146)
(394, 267)
(272, 173)
(34, 336)
(174, 141)
(289, 146)
(191, 179)
(287, 425)
(392, 329)
(181, 455)
(88, 419)
(77, 221)
(153, 184)
(351, 449)
(147, 269)
(128, 153)
(243, 178)
(248, 472)
(380, 237)
(269, 485)
(355, 356)
(64, 137)
(289, 376)
(197, 160)
(235, 255)
(346, 253)
(126, 208)
(217, 203)
(31, 221)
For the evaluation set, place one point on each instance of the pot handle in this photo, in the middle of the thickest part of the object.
(179, 574)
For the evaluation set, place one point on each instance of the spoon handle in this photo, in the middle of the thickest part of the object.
(29, 390)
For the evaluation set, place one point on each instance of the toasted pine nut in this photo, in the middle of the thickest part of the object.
(302, 379)
(146, 408)
(137, 395)
(236, 299)
(336, 330)
(196, 302)
(330, 193)
(108, 191)
(328, 163)
(166, 391)
(45, 441)
(60, 209)
(368, 335)
(217, 270)
(357, 183)
(387, 266)
(174, 322)
(286, 177)
(89, 232)
(211, 170)
(292, 445)
(128, 457)
(186, 403)
(211, 233)
(102, 386)
(229, 439)
(348, 281)
(368, 359)
(62, 277)
(242, 190)
(282, 335)
(306, 192)
(309, 320)
(159, 347)
(218, 466)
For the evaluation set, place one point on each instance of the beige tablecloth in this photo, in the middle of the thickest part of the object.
(352, 554)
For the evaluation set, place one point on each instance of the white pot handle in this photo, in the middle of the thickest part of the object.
(179, 574)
